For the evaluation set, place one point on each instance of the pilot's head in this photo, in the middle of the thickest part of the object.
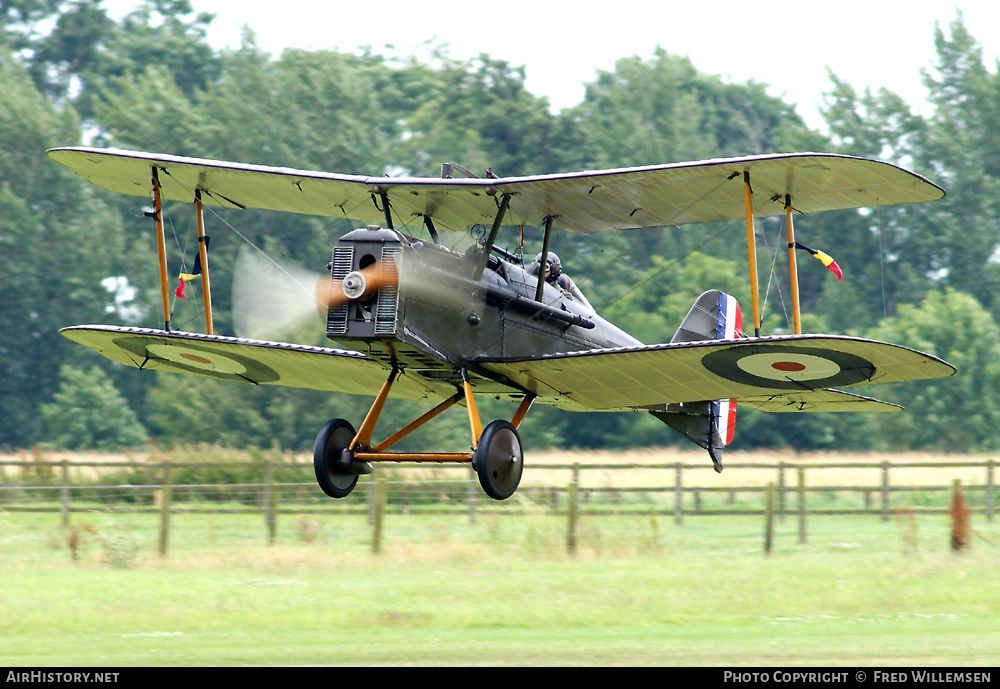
(552, 269)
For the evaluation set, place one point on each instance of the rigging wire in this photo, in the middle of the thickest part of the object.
(182, 252)
(772, 273)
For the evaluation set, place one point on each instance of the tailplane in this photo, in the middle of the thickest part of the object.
(709, 424)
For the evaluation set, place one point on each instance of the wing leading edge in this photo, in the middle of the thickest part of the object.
(591, 201)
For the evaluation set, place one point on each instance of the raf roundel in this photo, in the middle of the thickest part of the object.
(204, 358)
(197, 358)
(788, 367)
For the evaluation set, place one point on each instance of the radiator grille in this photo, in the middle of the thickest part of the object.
(343, 258)
(388, 297)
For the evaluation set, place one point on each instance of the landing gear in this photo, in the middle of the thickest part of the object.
(332, 459)
(498, 460)
(341, 454)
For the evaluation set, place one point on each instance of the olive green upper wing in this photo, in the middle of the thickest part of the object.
(589, 201)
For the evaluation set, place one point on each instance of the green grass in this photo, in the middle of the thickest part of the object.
(502, 591)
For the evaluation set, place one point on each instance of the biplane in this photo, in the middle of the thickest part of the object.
(420, 321)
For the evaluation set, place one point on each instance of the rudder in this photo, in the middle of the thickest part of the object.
(710, 424)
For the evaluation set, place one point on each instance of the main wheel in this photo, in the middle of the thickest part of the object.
(498, 460)
(328, 458)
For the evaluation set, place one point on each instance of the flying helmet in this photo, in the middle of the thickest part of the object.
(553, 265)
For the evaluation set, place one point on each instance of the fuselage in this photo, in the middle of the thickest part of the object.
(442, 310)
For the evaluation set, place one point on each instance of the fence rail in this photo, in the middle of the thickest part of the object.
(571, 491)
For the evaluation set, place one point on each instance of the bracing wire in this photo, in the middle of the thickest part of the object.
(772, 273)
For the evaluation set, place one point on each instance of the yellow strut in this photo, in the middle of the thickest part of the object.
(409, 428)
(793, 268)
(161, 247)
(474, 424)
(415, 457)
(364, 434)
(752, 250)
(522, 410)
(206, 283)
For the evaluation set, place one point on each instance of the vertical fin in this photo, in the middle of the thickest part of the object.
(710, 424)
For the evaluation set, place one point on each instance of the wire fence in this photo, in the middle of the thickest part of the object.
(275, 489)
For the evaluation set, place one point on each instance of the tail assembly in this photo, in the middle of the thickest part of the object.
(709, 424)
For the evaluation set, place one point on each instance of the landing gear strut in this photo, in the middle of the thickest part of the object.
(341, 454)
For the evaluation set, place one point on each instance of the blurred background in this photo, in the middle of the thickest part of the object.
(197, 79)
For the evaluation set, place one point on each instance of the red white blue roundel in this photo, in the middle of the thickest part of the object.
(787, 367)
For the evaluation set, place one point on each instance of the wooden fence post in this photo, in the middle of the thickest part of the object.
(378, 511)
(769, 519)
(802, 505)
(165, 495)
(470, 494)
(270, 503)
(678, 494)
(571, 512)
(885, 491)
(959, 511)
(989, 490)
(781, 491)
(64, 494)
(572, 504)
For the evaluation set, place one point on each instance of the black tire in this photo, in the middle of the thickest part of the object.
(335, 436)
(498, 460)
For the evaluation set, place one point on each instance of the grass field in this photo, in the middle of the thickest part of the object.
(501, 591)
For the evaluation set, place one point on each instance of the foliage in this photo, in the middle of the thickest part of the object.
(89, 412)
(151, 81)
(952, 242)
(50, 264)
(947, 413)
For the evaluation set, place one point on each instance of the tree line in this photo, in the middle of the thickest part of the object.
(925, 276)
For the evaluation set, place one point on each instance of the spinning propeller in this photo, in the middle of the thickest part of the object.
(270, 300)
(358, 285)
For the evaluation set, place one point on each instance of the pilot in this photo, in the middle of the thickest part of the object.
(555, 276)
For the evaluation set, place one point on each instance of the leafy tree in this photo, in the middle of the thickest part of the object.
(951, 242)
(52, 260)
(22, 24)
(957, 414)
(663, 110)
(478, 114)
(70, 50)
(88, 412)
(192, 408)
